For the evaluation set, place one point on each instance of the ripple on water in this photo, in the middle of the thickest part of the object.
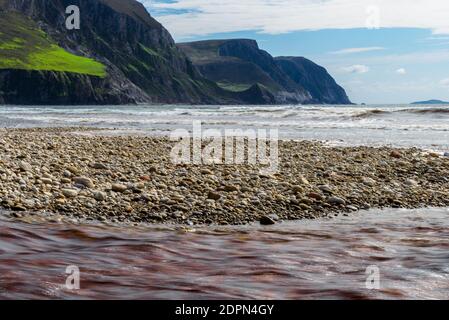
(295, 260)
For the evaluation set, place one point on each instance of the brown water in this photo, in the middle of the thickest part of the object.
(299, 260)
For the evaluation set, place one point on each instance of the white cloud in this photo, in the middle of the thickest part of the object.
(401, 71)
(357, 50)
(357, 68)
(202, 17)
(445, 83)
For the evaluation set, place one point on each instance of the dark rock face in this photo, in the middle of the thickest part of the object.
(315, 79)
(143, 63)
(61, 88)
(241, 62)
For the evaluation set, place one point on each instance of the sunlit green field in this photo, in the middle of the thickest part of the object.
(24, 46)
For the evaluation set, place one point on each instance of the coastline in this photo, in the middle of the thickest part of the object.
(54, 172)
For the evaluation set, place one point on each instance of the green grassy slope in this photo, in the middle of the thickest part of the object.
(24, 46)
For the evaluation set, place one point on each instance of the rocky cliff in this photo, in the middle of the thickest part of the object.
(239, 64)
(121, 55)
(140, 60)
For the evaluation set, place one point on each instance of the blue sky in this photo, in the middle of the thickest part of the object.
(380, 51)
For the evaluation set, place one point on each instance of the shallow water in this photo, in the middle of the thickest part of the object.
(294, 260)
(398, 125)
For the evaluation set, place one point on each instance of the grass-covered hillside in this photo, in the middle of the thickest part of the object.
(24, 46)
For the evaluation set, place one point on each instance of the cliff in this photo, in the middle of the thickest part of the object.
(239, 64)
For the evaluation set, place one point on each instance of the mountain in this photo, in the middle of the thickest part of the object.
(121, 55)
(239, 64)
(431, 102)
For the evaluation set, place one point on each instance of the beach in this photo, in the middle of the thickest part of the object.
(75, 174)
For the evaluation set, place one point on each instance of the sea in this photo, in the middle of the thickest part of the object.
(375, 254)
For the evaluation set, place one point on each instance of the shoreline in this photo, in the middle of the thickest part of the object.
(126, 178)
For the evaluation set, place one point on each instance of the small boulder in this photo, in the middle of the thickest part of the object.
(213, 196)
(69, 193)
(120, 188)
(336, 201)
(267, 221)
(396, 154)
(84, 181)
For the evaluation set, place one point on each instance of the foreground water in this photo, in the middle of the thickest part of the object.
(297, 260)
(398, 125)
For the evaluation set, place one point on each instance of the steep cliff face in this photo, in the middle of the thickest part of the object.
(139, 55)
(239, 64)
(314, 78)
(121, 55)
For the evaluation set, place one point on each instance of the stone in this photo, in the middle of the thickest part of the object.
(325, 188)
(231, 188)
(120, 188)
(67, 174)
(411, 182)
(336, 201)
(99, 166)
(18, 207)
(213, 195)
(316, 196)
(303, 180)
(297, 189)
(84, 181)
(25, 166)
(46, 181)
(446, 154)
(69, 193)
(368, 181)
(396, 154)
(73, 170)
(266, 221)
(99, 196)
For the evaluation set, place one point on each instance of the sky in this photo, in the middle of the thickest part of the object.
(380, 51)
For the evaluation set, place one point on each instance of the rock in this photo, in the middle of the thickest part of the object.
(297, 189)
(396, 154)
(434, 155)
(65, 180)
(99, 166)
(267, 221)
(84, 181)
(25, 166)
(336, 201)
(73, 170)
(206, 171)
(368, 181)
(446, 154)
(99, 196)
(67, 174)
(352, 208)
(120, 188)
(325, 188)
(411, 182)
(316, 196)
(214, 195)
(18, 207)
(303, 180)
(69, 193)
(231, 188)
(46, 181)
